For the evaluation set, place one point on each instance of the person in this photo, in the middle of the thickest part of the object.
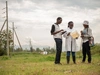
(85, 35)
(57, 34)
(70, 42)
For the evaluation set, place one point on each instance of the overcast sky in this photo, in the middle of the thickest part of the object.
(33, 18)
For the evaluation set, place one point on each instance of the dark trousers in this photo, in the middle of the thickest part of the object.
(58, 49)
(86, 50)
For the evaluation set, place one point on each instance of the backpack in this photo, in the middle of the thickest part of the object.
(91, 40)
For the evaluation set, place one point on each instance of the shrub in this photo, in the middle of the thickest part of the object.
(2, 52)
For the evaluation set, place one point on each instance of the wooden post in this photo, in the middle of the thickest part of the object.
(31, 49)
(18, 40)
(2, 26)
(7, 29)
(13, 34)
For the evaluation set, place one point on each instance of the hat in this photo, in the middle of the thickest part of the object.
(86, 22)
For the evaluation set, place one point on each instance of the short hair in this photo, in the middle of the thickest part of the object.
(69, 23)
(59, 18)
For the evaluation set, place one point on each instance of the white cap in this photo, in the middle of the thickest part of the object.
(86, 22)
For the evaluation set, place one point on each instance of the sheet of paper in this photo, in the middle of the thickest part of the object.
(74, 34)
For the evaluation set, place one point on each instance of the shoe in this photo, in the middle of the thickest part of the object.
(58, 63)
(89, 61)
(74, 59)
(68, 59)
(83, 61)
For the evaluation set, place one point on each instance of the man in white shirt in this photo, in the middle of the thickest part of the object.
(57, 34)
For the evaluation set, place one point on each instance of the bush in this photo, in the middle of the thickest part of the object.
(2, 52)
(95, 49)
(5, 58)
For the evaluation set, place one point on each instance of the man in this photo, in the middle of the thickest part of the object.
(57, 34)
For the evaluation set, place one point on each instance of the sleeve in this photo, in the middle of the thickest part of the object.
(89, 33)
(52, 29)
(65, 35)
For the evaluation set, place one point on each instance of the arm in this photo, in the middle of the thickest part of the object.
(65, 35)
(63, 32)
(81, 34)
(57, 32)
(89, 33)
(53, 30)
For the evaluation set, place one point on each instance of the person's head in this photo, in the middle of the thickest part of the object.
(59, 20)
(70, 24)
(86, 24)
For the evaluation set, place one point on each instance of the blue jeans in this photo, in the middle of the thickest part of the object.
(68, 53)
(58, 42)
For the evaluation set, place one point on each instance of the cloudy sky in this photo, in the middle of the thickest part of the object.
(33, 18)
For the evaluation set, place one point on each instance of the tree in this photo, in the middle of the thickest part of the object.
(3, 41)
(38, 50)
(18, 50)
(53, 50)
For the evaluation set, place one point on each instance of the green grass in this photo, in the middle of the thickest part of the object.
(37, 64)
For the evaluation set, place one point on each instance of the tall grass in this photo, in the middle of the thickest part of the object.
(26, 63)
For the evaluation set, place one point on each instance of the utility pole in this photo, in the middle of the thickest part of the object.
(31, 49)
(18, 40)
(7, 29)
(13, 34)
(2, 27)
(14, 31)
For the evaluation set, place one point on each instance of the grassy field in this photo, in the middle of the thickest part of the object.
(37, 64)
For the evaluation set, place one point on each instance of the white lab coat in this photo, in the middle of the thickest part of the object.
(68, 39)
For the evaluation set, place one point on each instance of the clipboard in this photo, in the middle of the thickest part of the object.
(74, 34)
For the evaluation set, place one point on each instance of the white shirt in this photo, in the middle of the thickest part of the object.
(58, 35)
(70, 43)
(87, 32)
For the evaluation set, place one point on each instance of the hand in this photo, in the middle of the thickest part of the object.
(82, 36)
(61, 30)
(76, 37)
(68, 34)
(81, 32)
